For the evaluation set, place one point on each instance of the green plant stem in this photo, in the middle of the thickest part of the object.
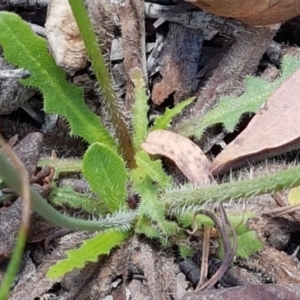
(41, 206)
(176, 200)
(90, 40)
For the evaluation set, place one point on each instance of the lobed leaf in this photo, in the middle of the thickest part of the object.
(150, 207)
(230, 109)
(23, 48)
(247, 240)
(105, 171)
(100, 244)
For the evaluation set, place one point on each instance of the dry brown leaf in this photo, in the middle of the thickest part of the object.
(187, 155)
(274, 130)
(252, 12)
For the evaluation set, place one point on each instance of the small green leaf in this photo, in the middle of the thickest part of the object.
(25, 49)
(105, 171)
(153, 168)
(144, 226)
(100, 244)
(140, 108)
(185, 251)
(163, 122)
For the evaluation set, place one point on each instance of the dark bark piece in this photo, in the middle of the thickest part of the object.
(273, 231)
(235, 275)
(27, 3)
(191, 270)
(131, 14)
(179, 61)
(12, 93)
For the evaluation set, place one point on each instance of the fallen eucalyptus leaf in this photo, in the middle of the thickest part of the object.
(187, 155)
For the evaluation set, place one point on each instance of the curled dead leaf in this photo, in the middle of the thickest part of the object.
(187, 155)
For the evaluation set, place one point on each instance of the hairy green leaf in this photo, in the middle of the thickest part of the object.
(146, 227)
(140, 108)
(100, 244)
(105, 171)
(150, 206)
(153, 168)
(23, 48)
(163, 122)
(230, 109)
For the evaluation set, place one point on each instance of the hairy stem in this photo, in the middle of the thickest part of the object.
(189, 198)
(90, 40)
